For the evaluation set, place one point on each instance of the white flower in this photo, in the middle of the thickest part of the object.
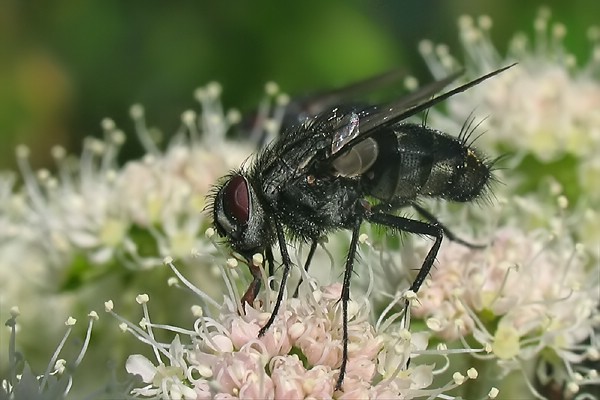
(525, 297)
(61, 231)
(532, 295)
(529, 295)
(544, 105)
(298, 357)
(515, 280)
(95, 208)
(164, 381)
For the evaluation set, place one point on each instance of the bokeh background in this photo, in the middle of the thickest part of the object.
(65, 65)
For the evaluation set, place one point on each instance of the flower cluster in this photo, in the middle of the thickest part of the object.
(298, 357)
(63, 230)
(530, 295)
(544, 105)
(94, 208)
(509, 296)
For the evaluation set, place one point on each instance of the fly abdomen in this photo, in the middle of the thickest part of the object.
(415, 160)
(469, 178)
(459, 173)
(403, 165)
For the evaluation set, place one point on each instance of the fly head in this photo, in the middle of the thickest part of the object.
(239, 217)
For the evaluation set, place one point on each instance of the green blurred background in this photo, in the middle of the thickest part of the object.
(65, 65)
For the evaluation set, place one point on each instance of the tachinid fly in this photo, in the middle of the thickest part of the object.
(342, 167)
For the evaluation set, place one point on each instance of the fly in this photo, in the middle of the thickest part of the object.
(340, 168)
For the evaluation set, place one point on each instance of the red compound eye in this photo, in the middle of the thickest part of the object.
(236, 201)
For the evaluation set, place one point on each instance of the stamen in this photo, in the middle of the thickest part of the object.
(69, 323)
(93, 316)
(458, 378)
(144, 136)
(169, 262)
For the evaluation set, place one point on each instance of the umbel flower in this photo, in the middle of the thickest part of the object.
(298, 357)
(92, 219)
(533, 296)
(548, 105)
(528, 296)
(530, 299)
(545, 112)
(93, 207)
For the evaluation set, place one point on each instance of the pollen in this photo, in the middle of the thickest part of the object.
(142, 298)
(257, 259)
(210, 232)
(458, 378)
(472, 373)
(363, 238)
(197, 311)
(232, 262)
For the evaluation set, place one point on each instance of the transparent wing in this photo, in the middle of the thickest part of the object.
(348, 133)
(314, 104)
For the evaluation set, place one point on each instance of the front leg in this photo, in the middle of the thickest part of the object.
(287, 263)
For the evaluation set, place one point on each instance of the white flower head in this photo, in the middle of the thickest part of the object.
(546, 104)
(528, 295)
(137, 213)
(531, 295)
(298, 357)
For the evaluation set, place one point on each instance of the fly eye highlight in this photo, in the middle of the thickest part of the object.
(236, 200)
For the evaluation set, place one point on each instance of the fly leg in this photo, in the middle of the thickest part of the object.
(345, 297)
(450, 235)
(271, 265)
(434, 230)
(287, 263)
